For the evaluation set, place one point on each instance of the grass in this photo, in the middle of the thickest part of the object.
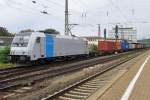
(6, 65)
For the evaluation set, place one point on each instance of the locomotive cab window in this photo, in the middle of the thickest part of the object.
(21, 40)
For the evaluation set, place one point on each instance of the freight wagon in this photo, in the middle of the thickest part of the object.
(146, 45)
(124, 45)
(132, 46)
(106, 46)
(117, 46)
(137, 45)
(109, 46)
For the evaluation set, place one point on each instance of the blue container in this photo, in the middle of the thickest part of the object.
(124, 45)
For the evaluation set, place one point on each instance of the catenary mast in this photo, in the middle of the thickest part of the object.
(66, 18)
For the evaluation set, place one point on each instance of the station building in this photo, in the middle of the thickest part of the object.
(94, 39)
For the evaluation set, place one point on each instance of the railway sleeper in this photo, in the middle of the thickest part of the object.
(85, 88)
(81, 90)
(103, 77)
(89, 86)
(78, 93)
(95, 84)
(97, 81)
(74, 96)
(66, 98)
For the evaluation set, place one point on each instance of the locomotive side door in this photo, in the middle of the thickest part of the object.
(39, 48)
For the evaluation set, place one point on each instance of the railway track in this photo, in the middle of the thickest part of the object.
(7, 71)
(86, 87)
(51, 72)
(30, 76)
(20, 68)
(12, 72)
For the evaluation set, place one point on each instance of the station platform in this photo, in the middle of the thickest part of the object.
(134, 84)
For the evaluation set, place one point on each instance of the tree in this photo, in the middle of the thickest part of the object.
(4, 52)
(50, 31)
(27, 30)
(4, 32)
(93, 48)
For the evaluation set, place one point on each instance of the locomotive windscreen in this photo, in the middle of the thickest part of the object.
(21, 40)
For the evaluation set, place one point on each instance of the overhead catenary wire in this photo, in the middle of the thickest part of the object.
(50, 7)
(32, 10)
(12, 4)
(45, 6)
(19, 6)
(60, 5)
(119, 9)
(89, 16)
(72, 11)
(27, 7)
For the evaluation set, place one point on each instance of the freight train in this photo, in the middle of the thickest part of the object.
(109, 46)
(37, 46)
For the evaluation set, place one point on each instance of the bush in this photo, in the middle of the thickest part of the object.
(94, 50)
(4, 52)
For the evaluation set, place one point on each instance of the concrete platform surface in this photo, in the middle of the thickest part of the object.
(134, 84)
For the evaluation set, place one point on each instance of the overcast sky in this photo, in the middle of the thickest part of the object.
(16, 15)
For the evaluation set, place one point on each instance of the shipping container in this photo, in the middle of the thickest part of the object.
(117, 45)
(124, 45)
(106, 46)
(131, 46)
(137, 45)
(142, 46)
(134, 46)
